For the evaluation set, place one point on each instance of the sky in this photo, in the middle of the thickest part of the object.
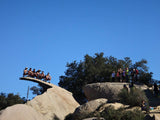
(47, 34)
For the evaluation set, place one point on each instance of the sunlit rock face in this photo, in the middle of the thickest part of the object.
(21, 112)
(55, 103)
(106, 90)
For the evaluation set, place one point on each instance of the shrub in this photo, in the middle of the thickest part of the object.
(111, 114)
(69, 117)
(133, 98)
(9, 100)
(133, 115)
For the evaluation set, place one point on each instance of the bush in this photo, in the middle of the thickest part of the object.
(132, 98)
(69, 117)
(9, 100)
(111, 114)
(133, 115)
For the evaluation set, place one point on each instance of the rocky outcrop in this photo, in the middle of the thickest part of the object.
(84, 110)
(108, 90)
(21, 112)
(55, 103)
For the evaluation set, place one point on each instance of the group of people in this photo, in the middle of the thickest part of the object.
(36, 74)
(123, 75)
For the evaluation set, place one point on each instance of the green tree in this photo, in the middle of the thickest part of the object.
(98, 69)
(10, 99)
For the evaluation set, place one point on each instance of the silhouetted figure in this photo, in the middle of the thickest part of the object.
(25, 72)
(48, 77)
(155, 89)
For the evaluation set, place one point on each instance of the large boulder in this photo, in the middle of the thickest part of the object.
(55, 103)
(20, 112)
(84, 110)
(108, 90)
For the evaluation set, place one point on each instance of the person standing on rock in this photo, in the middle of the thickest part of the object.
(113, 76)
(124, 76)
(118, 76)
(127, 73)
(133, 74)
(136, 74)
(121, 74)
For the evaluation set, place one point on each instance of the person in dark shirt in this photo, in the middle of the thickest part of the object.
(113, 76)
(38, 74)
(34, 73)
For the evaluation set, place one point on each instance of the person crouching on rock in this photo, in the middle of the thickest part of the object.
(25, 72)
(41, 76)
(30, 73)
(38, 74)
(48, 78)
(34, 73)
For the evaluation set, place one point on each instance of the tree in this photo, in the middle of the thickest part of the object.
(10, 99)
(98, 69)
(36, 90)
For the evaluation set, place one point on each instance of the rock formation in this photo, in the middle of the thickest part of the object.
(56, 102)
(106, 90)
(87, 108)
(21, 112)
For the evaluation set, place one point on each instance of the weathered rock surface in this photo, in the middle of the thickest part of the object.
(108, 90)
(56, 102)
(87, 108)
(20, 112)
(115, 106)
